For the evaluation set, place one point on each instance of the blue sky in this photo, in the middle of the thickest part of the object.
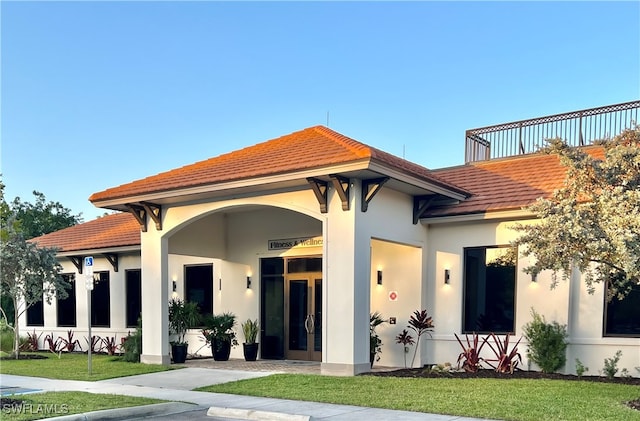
(97, 94)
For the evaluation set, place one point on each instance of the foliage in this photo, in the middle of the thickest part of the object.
(593, 221)
(405, 339)
(611, 365)
(42, 217)
(580, 368)
(110, 345)
(470, 355)
(6, 340)
(69, 343)
(28, 274)
(444, 369)
(547, 343)
(95, 344)
(421, 323)
(219, 328)
(132, 344)
(54, 345)
(30, 343)
(183, 315)
(375, 343)
(505, 361)
(250, 330)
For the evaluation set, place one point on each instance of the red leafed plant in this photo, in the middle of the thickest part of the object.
(405, 339)
(54, 345)
(506, 361)
(95, 344)
(110, 345)
(31, 343)
(69, 343)
(470, 355)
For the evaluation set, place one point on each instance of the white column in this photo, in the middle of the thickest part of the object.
(346, 290)
(155, 298)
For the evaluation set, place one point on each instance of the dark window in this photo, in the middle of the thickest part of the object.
(304, 264)
(622, 317)
(100, 300)
(489, 289)
(199, 287)
(35, 314)
(67, 307)
(272, 308)
(133, 279)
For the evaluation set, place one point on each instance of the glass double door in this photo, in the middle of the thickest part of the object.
(303, 316)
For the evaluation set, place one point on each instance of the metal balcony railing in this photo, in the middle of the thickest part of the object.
(577, 128)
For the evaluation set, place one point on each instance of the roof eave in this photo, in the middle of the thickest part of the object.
(512, 214)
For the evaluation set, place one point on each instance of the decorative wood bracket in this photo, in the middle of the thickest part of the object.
(78, 262)
(420, 206)
(141, 211)
(113, 259)
(370, 188)
(320, 189)
(155, 212)
(140, 214)
(343, 187)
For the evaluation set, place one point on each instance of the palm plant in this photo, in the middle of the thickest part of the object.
(421, 323)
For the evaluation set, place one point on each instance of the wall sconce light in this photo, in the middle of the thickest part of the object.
(379, 277)
(175, 286)
(447, 276)
(248, 282)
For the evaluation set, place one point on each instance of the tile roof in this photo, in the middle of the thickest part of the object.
(313, 147)
(505, 184)
(115, 230)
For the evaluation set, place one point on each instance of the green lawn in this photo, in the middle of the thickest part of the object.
(74, 367)
(53, 404)
(507, 399)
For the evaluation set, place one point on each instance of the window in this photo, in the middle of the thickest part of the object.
(100, 300)
(35, 314)
(489, 289)
(622, 317)
(67, 307)
(199, 286)
(133, 280)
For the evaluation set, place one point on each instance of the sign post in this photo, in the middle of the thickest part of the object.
(88, 273)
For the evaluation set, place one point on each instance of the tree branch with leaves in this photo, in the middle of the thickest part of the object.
(591, 223)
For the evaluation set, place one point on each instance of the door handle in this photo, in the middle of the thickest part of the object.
(308, 324)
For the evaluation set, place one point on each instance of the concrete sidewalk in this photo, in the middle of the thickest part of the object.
(176, 385)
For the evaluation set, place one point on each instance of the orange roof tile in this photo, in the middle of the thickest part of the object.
(115, 230)
(505, 184)
(314, 147)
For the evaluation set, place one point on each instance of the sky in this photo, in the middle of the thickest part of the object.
(97, 94)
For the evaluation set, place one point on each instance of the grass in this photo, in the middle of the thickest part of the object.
(74, 366)
(507, 399)
(44, 405)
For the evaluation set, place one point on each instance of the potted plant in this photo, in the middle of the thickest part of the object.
(250, 330)
(375, 343)
(182, 316)
(220, 334)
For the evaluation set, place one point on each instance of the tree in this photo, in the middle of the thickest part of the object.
(592, 223)
(28, 274)
(42, 217)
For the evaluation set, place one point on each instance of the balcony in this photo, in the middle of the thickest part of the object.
(577, 128)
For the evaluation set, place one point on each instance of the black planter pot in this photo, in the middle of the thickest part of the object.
(179, 353)
(250, 351)
(220, 350)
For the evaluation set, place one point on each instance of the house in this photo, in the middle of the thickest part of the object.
(312, 231)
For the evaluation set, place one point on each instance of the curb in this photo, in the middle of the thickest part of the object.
(252, 414)
(131, 412)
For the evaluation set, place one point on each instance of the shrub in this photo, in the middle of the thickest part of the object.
(611, 365)
(547, 343)
(6, 340)
(505, 361)
(580, 368)
(132, 345)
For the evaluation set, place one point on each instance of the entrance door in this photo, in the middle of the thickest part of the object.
(303, 316)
